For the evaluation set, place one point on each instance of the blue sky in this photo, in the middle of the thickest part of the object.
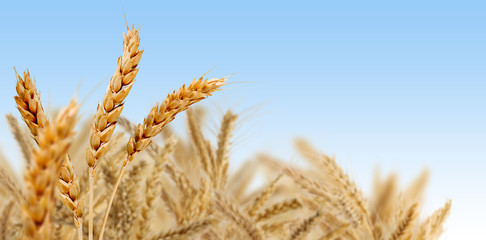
(400, 85)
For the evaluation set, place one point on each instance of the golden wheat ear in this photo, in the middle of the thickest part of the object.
(42, 176)
(161, 114)
(108, 111)
(29, 104)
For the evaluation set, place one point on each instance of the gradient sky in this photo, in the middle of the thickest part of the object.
(400, 85)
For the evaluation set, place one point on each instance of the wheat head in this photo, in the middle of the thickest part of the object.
(68, 185)
(29, 105)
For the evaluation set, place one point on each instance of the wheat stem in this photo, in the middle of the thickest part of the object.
(80, 230)
(91, 205)
(112, 197)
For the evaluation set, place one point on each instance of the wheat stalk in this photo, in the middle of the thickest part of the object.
(108, 111)
(41, 178)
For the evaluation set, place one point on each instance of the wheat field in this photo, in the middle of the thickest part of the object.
(92, 180)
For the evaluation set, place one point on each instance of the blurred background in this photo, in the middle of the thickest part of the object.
(395, 85)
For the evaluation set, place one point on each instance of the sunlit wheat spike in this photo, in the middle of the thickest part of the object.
(108, 111)
(29, 104)
(165, 112)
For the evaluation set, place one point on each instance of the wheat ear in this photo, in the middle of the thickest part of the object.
(110, 108)
(68, 186)
(29, 105)
(11, 184)
(220, 175)
(41, 178)
(199, 143)
(336, 233)
(383, 207)
(25, 143)
(278, 208)
(405, 226)
(432, 227)
(26, 90)
(185, 232)
(306, 226)
(262, 197)
(231, 211)
(4, 219)
(159, 116)
(338, 175)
